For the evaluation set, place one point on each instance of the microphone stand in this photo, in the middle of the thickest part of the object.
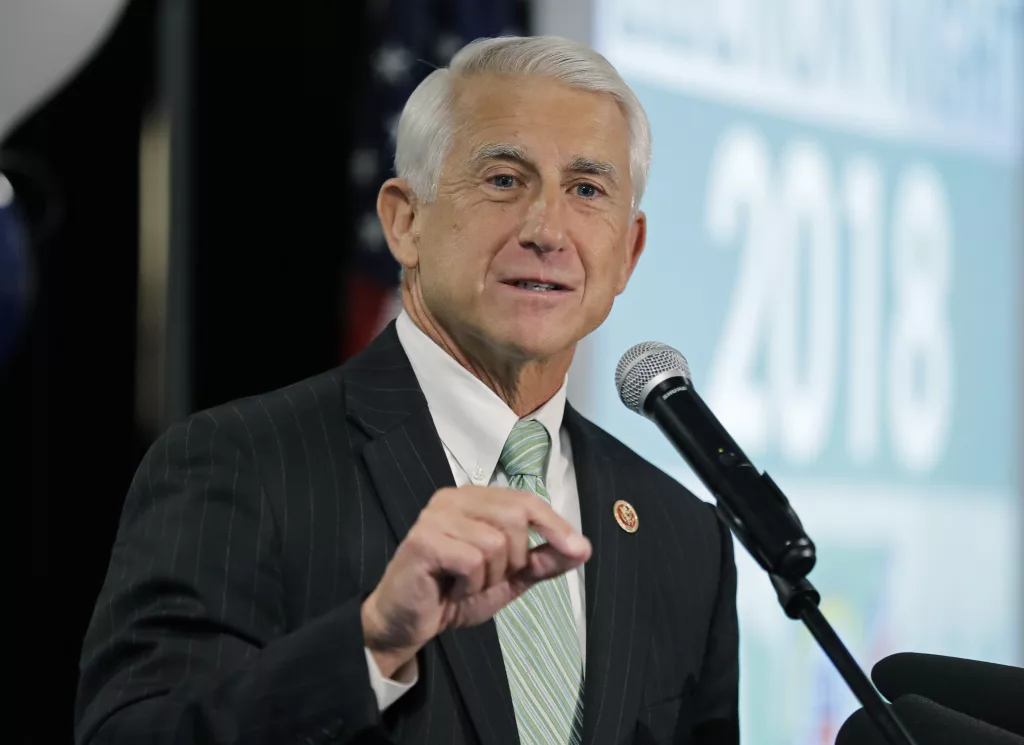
(749, 502)
(800, 601)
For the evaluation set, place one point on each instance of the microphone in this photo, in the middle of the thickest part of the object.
(982, 690)
(929, 723)
(653, 379)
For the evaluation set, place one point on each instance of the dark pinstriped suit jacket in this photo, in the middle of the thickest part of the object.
(253, 531)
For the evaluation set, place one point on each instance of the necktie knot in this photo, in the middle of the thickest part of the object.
(526, 449)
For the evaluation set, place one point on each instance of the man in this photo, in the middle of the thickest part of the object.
(428, 545)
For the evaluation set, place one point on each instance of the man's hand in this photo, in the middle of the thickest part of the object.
(466, 557)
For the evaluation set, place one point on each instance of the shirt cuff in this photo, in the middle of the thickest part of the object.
(387, 691)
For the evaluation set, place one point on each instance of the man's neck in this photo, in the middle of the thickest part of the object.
(523, 384)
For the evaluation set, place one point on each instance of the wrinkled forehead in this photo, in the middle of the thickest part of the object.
(535, 114)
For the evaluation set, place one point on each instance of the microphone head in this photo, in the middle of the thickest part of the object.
(643, 366)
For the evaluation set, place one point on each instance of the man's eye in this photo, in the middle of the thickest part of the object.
(587, 191)
(504, 180)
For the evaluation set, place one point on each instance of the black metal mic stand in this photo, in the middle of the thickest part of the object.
(800, 601)
(777, 541)
(760, 516)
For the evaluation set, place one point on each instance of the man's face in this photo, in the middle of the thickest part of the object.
(530, 237)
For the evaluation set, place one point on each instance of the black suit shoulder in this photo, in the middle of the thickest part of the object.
(254, 420)
(229, 598)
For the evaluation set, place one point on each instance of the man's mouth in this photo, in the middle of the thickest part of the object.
(526, 284)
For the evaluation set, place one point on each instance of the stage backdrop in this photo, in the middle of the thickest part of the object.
(835, 246)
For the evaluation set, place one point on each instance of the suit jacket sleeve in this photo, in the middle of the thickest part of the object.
(718, 692)
(189, 641)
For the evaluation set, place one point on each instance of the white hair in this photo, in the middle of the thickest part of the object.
(426, 127)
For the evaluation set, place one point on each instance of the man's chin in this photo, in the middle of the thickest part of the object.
(520, 339)
(537, 347)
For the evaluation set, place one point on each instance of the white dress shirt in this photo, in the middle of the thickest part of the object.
(473, 424)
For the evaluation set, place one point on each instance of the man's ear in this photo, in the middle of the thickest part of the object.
(636, 239)
(396, 209)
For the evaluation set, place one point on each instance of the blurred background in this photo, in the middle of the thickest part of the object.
(836, 238)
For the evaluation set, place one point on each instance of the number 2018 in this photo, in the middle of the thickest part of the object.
(904, 360)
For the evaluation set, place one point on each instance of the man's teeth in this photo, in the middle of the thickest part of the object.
(541, 286)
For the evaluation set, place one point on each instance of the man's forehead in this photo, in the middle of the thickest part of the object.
(488, 99)
(531, 118)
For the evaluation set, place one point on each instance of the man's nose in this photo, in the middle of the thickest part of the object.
(545, 229)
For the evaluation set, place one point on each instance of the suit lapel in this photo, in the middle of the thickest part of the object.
(617, 591)
(407, 464)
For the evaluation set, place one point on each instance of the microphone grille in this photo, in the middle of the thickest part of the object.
(641, 364)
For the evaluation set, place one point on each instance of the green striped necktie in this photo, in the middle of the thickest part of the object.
(537, 630)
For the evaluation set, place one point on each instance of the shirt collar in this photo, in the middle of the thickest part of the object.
(471, 420)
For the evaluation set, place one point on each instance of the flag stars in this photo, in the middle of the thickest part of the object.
(363, 166)
(392, 63)
(371, 234)
(391, 126)
(446, 47)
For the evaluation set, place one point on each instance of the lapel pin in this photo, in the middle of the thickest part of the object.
(626, 516)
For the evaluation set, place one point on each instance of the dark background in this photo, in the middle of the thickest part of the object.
(267, 102)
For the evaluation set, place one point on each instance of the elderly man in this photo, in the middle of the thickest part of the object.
(428, 544)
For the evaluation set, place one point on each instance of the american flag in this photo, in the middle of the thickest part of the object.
(407, 40)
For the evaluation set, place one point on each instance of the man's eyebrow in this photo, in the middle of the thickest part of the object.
(500, 151)
(508, 151)
(593, 167)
